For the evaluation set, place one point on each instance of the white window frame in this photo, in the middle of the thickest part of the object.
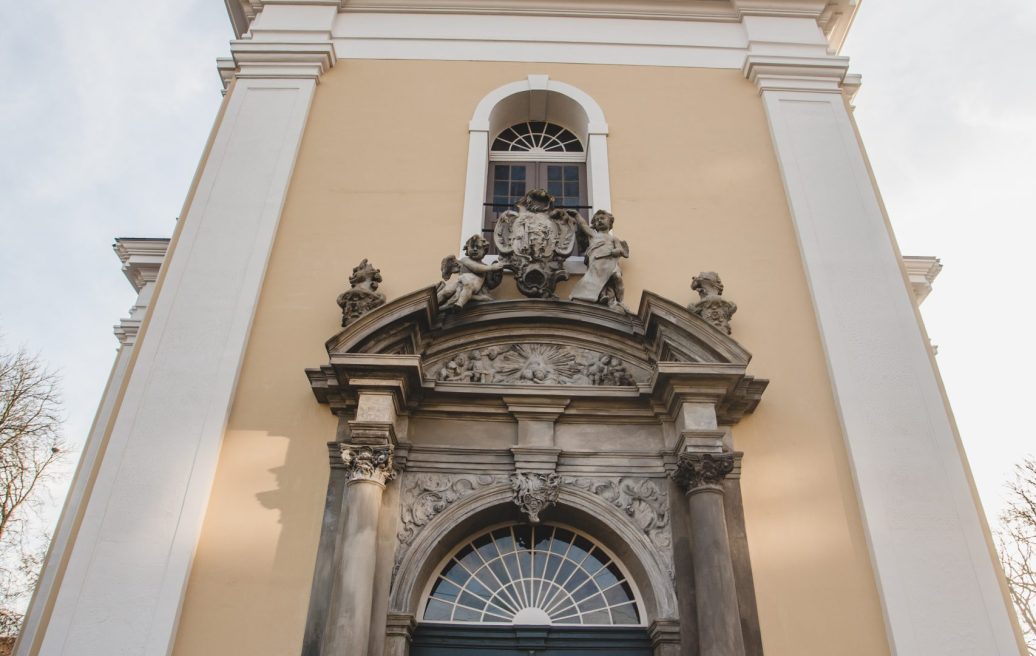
(495, 112)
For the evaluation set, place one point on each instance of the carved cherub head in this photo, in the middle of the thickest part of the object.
(536, 201)
(365, 273)
(707, 283)
(602, 221)
(476, 247)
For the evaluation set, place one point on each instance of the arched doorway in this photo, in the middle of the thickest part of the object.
(523, 589)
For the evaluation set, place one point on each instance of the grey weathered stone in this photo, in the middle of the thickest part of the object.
(468, 278)
(534, 242)
(697, 470)
(602, 282)
(363, 295)
(536, 364)
(534, 492)
(712, 307)
(370, 463)
(643, 500)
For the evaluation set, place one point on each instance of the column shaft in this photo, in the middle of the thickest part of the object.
(348, 630)
(719, 622)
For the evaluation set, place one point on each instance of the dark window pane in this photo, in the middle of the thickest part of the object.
(500, 188)
(572, 189)
(625, 614)
(554, 130)
(501, 172)
(517, 189)
(597, 617)
(553, 172)
(469, 599)
(445, 590)
(572, 173)
(437, 611)
(517, 172)
(562, 538)
(554, 188)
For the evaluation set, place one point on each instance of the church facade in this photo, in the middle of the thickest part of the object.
(497, 327)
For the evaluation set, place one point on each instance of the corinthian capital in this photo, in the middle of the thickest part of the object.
(698, 471)
(368, 463)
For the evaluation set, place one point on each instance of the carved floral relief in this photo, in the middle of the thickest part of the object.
(536, 364)
(645, 501)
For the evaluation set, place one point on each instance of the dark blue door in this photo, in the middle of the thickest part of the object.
(455, 640)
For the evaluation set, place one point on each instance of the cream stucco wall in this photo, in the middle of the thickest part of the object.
(695, 186)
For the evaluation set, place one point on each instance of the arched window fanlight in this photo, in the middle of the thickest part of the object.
(537, 136)
(532, 575)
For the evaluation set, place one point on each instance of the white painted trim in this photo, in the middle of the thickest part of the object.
(934, 570)
(595, 126)
(128, 569)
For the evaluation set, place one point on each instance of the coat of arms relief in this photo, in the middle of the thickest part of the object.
(534, 242)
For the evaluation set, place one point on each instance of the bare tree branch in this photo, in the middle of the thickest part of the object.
(31, 444)
(1016, 544)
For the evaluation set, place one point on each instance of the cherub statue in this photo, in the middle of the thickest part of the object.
(602, 282)
(712, 307)
(363, 295)
(468, 279)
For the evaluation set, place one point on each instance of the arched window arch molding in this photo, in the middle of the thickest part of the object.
(536, 98)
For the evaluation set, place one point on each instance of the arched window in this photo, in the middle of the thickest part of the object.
(527, 574)
(534, 155)
(534, 133)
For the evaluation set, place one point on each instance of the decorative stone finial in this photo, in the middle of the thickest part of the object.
(712, 307)
(534, 242)
(602, 282)
(363, 295)
(468, 279)
(697, 471)
(369, 463)
(533, 492)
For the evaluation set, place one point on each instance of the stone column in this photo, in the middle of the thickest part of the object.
(348, 628)
(719, 622)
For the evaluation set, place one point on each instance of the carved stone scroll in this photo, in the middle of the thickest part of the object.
(363, 295)
(368, 463)
(534, 492)
(536, 364)
(425, 495)
(645, 501)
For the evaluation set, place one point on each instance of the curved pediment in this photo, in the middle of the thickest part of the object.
(536, 346)
(661, 331)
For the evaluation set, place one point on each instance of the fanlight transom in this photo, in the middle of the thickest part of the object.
(532, 574)
(537, 136)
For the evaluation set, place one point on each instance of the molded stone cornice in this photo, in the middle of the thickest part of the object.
(400, 375)
(813, 74)
(270, 59)
(141, 259)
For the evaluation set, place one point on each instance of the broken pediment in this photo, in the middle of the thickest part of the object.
(535, 346)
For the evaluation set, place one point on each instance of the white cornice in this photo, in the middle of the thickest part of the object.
(141, 258)
(922, 270)
(832, 16)
(269, 59)
(775, 73)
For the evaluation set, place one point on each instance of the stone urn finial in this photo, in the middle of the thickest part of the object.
(712, 306)
(363, 295)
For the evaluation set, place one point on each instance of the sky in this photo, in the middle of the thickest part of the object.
(106, 107)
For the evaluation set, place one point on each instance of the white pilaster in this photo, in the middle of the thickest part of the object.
(141, 262)
(935, 573)
(128, 568)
